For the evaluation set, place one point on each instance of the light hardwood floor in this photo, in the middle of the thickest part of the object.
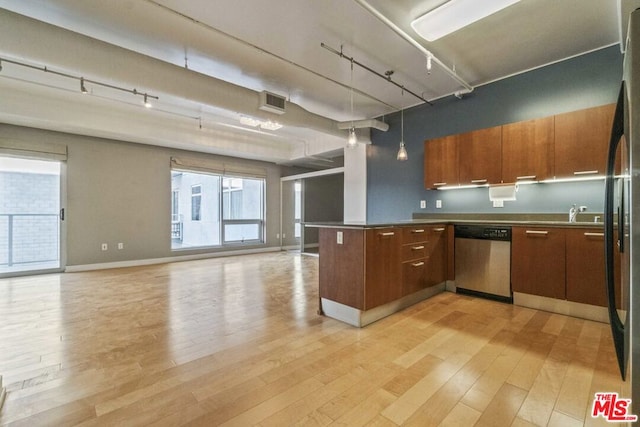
(236, 341)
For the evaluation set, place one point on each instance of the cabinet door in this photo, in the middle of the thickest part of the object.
(441, 162)
(527, 150)
(437, 255)
(538, 261)
(585, 267)
(581, 141)
(382, 266)
(480, 156)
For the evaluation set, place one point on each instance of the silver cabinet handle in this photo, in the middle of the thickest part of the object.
(417, 248)
(537, 232)
(438, 230)
(388, 233)
(417, 264)
(585, 172)
(594, 234)
(519, 178)
(420, 230)
(478, 181)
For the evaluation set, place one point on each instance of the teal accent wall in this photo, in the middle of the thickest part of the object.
(394, 189)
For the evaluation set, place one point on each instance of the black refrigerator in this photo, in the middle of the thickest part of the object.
(622, 218)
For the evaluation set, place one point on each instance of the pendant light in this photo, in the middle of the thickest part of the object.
(402, 151)
(352, 140)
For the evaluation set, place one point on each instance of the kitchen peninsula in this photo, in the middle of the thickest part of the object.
(369, 271)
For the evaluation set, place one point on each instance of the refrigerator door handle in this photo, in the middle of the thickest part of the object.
(617, 327)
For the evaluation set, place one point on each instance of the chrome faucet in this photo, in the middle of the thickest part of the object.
(573, 212)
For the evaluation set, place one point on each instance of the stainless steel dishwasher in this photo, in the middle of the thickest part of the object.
(483, 261)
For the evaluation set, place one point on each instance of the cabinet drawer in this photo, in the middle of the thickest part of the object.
(414, 251)
(414, 276)
(414, 234)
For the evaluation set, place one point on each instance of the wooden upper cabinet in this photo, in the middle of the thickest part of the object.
(441, 161)
(480, 154)
(527, 150)
(582, 140)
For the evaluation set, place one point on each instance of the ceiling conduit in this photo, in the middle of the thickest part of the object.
(451, 73)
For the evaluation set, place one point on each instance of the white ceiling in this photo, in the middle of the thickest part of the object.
(270, 45)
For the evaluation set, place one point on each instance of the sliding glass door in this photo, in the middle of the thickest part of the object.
(30, 216)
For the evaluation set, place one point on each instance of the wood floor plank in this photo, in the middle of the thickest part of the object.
(237, 340)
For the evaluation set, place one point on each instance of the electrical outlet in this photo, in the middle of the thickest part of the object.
(498, 203)
(423, 204)
(438, 204)
(120, 246)
(104, 246)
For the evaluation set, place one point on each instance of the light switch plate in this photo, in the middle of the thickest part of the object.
(339, 237)
(438, 204)
(423, 204)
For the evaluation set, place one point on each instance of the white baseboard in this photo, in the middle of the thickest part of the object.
(141, 262)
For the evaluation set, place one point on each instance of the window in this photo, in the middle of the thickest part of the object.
(243, 209)
(224, 210)
(196, 202)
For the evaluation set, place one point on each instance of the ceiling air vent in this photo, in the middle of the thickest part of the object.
(271, 102)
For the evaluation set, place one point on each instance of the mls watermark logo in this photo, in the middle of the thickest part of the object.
(612, 408)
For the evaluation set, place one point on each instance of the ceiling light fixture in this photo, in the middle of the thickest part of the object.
(352, 139)
(429, 56)
(270, 125)
(402, 151)
(82, 80)
(455, 14)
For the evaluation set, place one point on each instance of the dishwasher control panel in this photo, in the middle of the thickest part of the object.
(484, 232)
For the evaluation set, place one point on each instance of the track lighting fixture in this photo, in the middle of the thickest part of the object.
(82, 80)
(402, 151)
(429, 64)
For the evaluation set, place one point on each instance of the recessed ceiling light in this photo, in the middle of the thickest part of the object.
(455, 14)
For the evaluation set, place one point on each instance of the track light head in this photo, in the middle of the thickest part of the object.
(83, 89)
(146, 101)
(0, 65)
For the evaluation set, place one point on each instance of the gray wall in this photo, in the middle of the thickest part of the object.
(121, 192)
(323, 200)
(394, 189)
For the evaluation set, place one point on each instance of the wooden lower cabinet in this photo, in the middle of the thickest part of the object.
(561, 263)
(585, 267)
(382, 266)
(366, 268)
(538, 261)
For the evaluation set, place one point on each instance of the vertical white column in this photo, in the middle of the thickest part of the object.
(355, 184)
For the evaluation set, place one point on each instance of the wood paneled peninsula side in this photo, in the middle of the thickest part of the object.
(367, 272)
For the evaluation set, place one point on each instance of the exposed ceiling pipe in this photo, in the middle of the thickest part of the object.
(414, 43)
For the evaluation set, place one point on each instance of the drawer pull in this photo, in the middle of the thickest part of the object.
(478, 181)
(387, 234)
(521, 178)
(438, 230)
(585, 173)
(417, 248)
(439, 184)
(418, 231)
(537, 232)
(594, 234)
(417, 264)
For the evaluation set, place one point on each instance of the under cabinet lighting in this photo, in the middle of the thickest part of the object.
(455, 14)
